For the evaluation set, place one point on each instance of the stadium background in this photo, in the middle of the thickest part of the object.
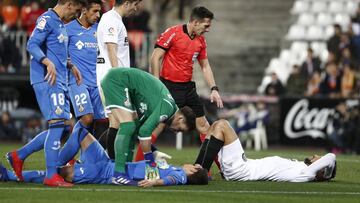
(250, 44)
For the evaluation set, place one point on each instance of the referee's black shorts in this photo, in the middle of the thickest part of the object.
(184, 94)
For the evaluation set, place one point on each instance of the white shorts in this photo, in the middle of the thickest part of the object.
(233, 161)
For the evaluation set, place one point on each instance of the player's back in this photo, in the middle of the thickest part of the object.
(49, 37)
(83, 51)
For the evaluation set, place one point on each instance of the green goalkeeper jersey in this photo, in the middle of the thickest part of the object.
(138, 91)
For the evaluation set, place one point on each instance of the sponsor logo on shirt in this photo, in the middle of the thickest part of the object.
(81, 45)
(41, 24)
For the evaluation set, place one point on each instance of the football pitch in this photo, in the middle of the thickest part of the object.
(344, 188)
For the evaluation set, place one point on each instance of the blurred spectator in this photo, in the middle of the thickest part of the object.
(344, 138)
(10, 14)
(348, 81)
(29, 14)
(138, 28)
(275, 87)
(296, 84)
(345, 58)
(10, 57)
(32, 128)
(311, 64)
(7, 127)
(107, 5)
(313, 85)
(333, 44)
(330, 85)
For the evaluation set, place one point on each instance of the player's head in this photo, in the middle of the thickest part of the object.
(201, 18)
(324, 174)
(130, 7)
(71, 8)
(91, 12)
(196, 175)
(183, 120)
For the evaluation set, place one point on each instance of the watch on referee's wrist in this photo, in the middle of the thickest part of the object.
(214, 88)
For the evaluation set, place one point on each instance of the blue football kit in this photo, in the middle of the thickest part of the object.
(50, 40)
(83, 51)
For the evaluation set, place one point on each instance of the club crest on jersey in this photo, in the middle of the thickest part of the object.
(79, 45)
(143, 107)
(111, 31)
(41, 24)
(81, 108)
(58, 110)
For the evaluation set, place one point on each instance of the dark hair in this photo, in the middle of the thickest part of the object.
(120, 2)
(189, 117)
(200, 12)
(81, 2)
(200, 177)
(90, 2)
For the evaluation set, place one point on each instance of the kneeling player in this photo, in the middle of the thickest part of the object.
(95, 167)
(224, 142)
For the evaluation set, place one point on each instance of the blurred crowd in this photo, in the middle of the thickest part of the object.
(21, 16)
(337, 77)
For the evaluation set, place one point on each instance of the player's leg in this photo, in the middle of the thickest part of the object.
(111, 135)
(100, 124)
(56, 109)
(29, 176)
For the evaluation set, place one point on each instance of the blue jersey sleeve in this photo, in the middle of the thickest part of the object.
(38, 37)
(176, 177)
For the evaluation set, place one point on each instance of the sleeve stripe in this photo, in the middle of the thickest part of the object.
(158, 46)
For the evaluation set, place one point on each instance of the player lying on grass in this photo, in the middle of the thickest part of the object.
(95, 167)
(223, 141)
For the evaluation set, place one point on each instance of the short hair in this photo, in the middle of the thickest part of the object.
(81, 2)
(200, 13)
(120, 2)
(200, 177)
(190, 117)
(90, 2)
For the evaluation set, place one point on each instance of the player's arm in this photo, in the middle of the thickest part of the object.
(112, 49)
(156, 60)
(174, 178)
(325, 161)
(37, 39)
(209, 78)
(75, 71)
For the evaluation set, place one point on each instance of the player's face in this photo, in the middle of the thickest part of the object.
(92, 14)
(191, 169)
(202, 26)
(314, 158)
(132, 8)
(73, 11)
(178, 124)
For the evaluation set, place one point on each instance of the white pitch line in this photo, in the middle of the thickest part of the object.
(184, 191)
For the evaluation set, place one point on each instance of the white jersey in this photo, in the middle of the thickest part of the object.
(111, 29)
(235, 166)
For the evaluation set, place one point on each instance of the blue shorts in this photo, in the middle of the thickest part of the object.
(95, 166)
(53, 100)
(86, 100)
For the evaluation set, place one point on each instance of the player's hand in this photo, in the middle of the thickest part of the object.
(51, 71)
(216, 97)
(160, 156)
(75, 71)
(147, 183)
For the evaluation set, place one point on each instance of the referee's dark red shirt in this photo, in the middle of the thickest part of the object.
(181, 53)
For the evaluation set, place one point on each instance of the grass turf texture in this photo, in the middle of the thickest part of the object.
(345, 187)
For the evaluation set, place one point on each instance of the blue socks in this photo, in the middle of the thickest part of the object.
(52, 146)
(29, 176)
(72, 145)
(36, 144)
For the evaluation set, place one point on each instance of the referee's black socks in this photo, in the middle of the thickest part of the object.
(208, 151)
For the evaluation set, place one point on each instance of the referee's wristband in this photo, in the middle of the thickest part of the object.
(214, 88)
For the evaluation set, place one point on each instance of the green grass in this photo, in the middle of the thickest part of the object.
(345, 187)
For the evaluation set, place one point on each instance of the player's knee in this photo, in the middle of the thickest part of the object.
(87, 119)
